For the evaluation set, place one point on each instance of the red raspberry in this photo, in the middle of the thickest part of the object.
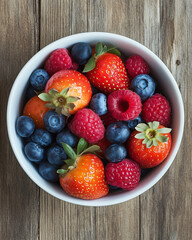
(74, 66)
(58, 60)
(124, 105)
(157, 108)
(88, 125)
(103, 144)
(136, 65)
(107, 119)
(125, 174)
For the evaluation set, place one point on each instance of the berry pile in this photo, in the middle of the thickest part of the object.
(92, 122)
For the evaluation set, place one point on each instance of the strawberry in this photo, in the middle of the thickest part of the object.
(106, 71)
(149, 144)
(67, 91)
(36, 109)
(84, 177)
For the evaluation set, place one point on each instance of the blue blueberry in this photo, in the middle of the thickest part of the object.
(30, 92)
(99, 103)
(133, 123)
(67, 137)
(81, 52)
(34, 152)
(25, 126)
(54, 122)
(38, 79)
(144, 86)
(42, 137)
(115, 152)
(48, 172)
(56, 155)
(117, 132)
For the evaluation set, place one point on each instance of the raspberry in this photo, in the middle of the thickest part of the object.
(107, 119)
(88, 125)
(125, 174)
(136, 65)
(58, 60)
(124, 105)
(157, 108)
(103, 144)
(74, 66)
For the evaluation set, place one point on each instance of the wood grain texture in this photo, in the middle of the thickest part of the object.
(162, 213)
(19, 196)
(166, 208)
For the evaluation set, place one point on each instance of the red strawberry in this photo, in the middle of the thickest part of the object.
(157, 108)
(124, 105)
(85, 177)
(58, 60)
(88, 125)
(125, 174)
(67, 91)
(36, 109)
(136, 65)
(106, 70)
(150, 144)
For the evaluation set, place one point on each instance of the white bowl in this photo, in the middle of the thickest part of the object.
(128, 47)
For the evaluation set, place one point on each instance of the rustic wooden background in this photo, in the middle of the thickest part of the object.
(164, 212)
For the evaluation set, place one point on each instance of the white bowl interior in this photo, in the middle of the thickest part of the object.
(128, 47)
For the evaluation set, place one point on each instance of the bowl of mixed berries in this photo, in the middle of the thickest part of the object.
(95, 119)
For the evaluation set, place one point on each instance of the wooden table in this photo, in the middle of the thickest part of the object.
(164, 212)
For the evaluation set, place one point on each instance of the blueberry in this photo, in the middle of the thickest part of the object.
(25, 126)
(99, 104)
(38, 79)
(144, 86)
(67, 137)
(30, 92)
(42, 137)
(117, 132)
(54, 122)
(56, 155)
(133, 123)
(115, 152)
(34, 152)
(81, 52)
(48, 172)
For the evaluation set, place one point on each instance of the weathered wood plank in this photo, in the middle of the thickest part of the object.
(58, 219)
(166, 208)
(19, 196)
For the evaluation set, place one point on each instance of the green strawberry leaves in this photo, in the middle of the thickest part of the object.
(45, 97)
(99, 50)
(82, 148)
(82, 145)
(114, 50)
(90, 65)
(69, 151)
(59, 101)
(91, 149)
(151, 133)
